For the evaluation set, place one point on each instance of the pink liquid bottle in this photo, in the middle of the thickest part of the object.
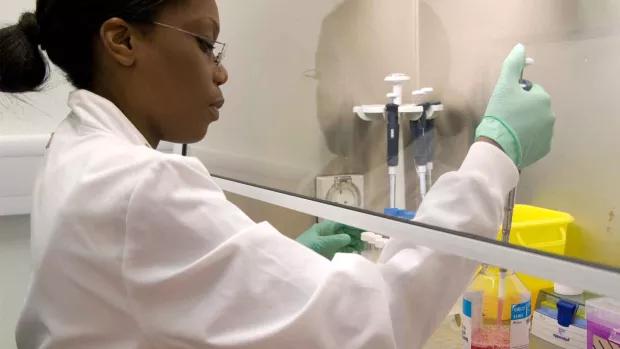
(497, 310)
(497, 307)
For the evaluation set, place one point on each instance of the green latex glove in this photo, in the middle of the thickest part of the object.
(520, 121)
(328, 238)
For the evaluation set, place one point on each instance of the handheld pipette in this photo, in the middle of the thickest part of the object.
(508, 214)
(506, 227)
(526, 84)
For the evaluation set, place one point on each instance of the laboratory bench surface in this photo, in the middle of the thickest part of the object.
(448, 338)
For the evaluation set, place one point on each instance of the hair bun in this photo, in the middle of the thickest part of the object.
(29, 25)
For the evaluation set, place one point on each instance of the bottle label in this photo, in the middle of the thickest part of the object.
(521, 316)
(466, 324)
(477, 335)
(471, 320)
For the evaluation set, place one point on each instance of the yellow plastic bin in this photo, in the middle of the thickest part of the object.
(539, 229)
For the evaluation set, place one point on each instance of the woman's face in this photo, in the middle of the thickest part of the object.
(172, 87)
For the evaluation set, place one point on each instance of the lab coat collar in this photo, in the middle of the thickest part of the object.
(99, 113)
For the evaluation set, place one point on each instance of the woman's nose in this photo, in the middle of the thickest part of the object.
(220, 75)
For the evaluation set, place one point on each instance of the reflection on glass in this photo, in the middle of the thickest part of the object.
(291, 126)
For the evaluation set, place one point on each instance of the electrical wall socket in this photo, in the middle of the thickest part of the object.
(346, 190)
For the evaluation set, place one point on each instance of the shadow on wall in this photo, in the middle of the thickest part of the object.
(454, 126)
(360, 43)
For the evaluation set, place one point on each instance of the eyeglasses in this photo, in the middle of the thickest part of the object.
(215, 49)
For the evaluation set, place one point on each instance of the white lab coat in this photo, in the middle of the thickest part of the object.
(132, 248)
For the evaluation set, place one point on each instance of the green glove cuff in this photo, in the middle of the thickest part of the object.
(494, 128)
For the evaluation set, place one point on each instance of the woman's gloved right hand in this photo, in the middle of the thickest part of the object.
(520, 122)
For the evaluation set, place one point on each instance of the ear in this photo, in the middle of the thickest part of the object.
(117, 36)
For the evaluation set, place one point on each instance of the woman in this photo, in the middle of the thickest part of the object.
(133, 248)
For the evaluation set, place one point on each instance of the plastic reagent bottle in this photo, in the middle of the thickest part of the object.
(495, 318)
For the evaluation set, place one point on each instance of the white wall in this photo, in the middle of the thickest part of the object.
(31, 113)
(270, 109)
(22, 115)
(28, 114)
(296, 70)
(14, 274)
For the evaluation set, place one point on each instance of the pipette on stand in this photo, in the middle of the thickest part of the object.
(430, 153)
(418, 143)
(421, 140)
(420, 147)
(393, 130)
(430, 134)
(393, 138)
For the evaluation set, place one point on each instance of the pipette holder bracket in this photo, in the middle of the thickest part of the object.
(408, 112)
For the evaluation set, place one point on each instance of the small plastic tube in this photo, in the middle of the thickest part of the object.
(366, 237)
(372, 255)
(380, 245)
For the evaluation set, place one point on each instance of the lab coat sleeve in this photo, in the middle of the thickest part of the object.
(200, 274)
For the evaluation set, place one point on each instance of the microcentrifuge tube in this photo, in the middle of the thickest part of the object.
(380, 244)
(366, 237)
(372, 256)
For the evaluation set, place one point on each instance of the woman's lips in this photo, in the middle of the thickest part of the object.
(218, 104)
(215, 109)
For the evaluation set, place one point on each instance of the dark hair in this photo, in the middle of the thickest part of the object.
(66, 30)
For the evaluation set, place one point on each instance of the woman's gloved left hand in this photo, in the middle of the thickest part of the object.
(328, 238)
